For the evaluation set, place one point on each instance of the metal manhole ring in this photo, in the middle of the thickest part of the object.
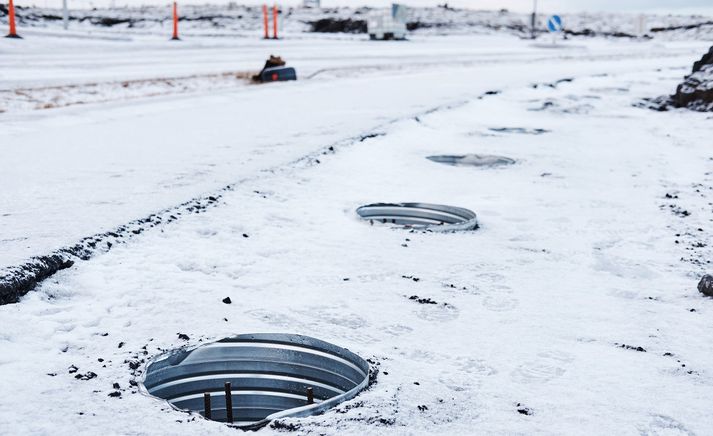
(270, 376)
(472, 160)
(422, 216)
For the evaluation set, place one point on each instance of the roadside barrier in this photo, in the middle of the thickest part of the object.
(11, 21)
(266, 21)
(175, 23)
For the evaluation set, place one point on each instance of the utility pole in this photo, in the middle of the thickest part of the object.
(65, 15)
(533, 19)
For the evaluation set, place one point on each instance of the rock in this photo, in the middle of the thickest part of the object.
(522, 410)
(227, 300)
(88, 376)
(705, 286)
(707, 59)
(696, 91)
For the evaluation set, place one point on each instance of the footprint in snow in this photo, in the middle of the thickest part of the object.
(475, 367)
(664, 425)
(536, 372)
(439, 313)
(396, 329)
(458, 382)
(500, 303)
(548, 365)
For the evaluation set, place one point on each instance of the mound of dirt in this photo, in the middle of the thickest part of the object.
(336, 25)
(705, 286)
(696, 90)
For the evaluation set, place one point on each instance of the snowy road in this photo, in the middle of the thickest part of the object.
(538, 314)
(74, 172)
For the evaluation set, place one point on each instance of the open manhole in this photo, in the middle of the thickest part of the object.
(422, 216)
(520, 130)
(472, 160)
(249, 380)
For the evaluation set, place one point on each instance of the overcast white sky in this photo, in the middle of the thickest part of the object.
(553, 6)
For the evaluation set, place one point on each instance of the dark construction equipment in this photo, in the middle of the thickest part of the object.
(422, 216)
(472, 160)
(275, 70)
(278, 74)
(269, 376)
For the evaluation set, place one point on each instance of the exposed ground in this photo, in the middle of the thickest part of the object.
(239, 20)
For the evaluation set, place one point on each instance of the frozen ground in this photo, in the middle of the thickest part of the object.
(243, 20)
(87, 169)
(589, 246)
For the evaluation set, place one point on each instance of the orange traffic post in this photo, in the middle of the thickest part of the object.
(175, 22)
(265, 19)
(11, 20)
(274, 22)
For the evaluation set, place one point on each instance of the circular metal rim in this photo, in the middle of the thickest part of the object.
(276, 338)
(467, 219)
(462, 160)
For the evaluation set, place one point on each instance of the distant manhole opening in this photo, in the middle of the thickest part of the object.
(472, 160)
(249, 380)
(423, 216)
(520, 130)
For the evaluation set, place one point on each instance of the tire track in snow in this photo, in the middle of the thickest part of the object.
(17, 281)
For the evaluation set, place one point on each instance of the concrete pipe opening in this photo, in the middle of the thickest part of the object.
(472, 160)
(422, 216)
(264, 376)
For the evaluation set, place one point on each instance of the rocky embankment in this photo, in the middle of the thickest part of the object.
(696, 90)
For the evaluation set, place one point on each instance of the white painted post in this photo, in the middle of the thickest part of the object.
(65, 15)
(534, 18)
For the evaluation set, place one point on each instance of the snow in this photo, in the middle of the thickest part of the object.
(231, 20)
(67, 177)
(583, 254)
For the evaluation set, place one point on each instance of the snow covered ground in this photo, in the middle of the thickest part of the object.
(572, 309)
(234, 19)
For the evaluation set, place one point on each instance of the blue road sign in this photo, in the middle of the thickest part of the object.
(554, 24)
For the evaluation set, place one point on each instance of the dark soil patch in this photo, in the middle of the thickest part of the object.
(631, 347)
(420, 300)
(336, 25)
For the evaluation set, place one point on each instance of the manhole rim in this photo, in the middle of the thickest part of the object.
(499, 161)
(287, 339)
(468, 217)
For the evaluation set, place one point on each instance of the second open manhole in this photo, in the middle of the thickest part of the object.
(472, 160)
(249, 380)
(423, 216)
